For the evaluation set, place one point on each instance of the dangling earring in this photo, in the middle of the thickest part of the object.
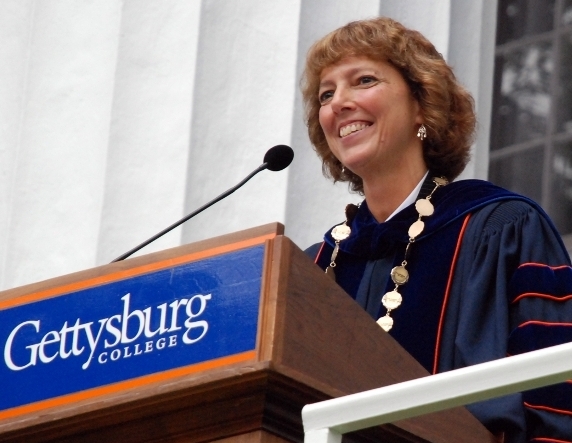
(343, 169)
(422, 132)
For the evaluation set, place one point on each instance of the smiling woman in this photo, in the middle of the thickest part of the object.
(370, 120)
(450, 270)
(446, 107)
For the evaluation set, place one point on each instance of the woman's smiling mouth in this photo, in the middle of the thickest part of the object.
(352, 127)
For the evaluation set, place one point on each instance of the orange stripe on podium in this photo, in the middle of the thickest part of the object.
(145, 269)
(128, 384)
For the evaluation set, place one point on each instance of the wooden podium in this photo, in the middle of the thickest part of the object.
(312, 342)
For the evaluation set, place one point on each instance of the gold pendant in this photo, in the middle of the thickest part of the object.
(399, 275)
(391, 300)
(440, 181)
(341, 232)
(386, 323)
(424, 207)
(416, 228)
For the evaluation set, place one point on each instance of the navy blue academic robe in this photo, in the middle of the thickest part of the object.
(489, 277)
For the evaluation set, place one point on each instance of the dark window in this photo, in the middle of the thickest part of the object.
(531, 130)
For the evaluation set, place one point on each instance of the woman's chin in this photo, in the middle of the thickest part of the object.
(358, 163)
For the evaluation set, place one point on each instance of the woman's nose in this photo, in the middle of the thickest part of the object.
(342, 100)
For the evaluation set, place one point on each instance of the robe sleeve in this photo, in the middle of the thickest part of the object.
(494, 311)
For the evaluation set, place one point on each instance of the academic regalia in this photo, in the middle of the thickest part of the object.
(488, 277)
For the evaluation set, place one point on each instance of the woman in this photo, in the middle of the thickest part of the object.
(453, 271)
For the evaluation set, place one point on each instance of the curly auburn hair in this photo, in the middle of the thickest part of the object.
(447, 108)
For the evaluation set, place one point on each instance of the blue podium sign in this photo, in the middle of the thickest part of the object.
(150, 325)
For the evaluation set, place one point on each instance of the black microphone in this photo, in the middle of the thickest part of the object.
(279, 157)
(276, 158)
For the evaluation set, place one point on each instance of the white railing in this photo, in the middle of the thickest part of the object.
(326, 421)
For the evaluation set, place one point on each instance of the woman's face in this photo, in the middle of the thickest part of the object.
(369, 116)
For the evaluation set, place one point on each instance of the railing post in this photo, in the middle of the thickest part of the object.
(322, 436)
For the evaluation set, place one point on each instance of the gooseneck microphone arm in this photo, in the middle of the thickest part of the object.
(276, 159)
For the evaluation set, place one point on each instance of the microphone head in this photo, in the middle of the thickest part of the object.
(278, 157)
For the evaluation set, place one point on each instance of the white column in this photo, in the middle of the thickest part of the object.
(59, 138)
(243, 101)
(16, 21)
(150, 126)
(314, 203)
(429, 17)
(472, 49)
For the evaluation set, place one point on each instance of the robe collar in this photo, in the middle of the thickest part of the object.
(369, 238)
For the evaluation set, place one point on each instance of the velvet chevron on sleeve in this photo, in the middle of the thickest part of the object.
(540, 300)
(487, 308)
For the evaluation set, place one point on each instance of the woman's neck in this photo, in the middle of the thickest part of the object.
(385, 193)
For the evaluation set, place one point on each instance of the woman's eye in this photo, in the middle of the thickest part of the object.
(325, 96)
(366, 79)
